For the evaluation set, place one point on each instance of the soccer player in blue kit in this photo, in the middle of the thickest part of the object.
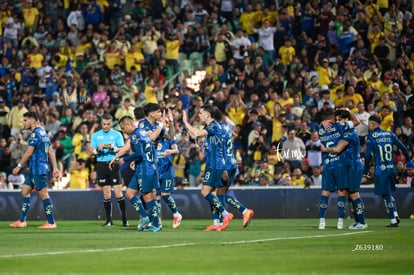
(153, 123)
(146, 176)
(38, 153)
(132, 192)
(333, 174)
(166, 147)
(232, 170)
(350, 145)
(379, 145)
(215, 171)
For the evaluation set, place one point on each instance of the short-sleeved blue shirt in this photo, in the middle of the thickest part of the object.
(39, 160)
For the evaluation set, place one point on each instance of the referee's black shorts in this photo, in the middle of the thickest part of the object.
(107, 176)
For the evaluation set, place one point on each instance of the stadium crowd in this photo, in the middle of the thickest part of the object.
(271, 68)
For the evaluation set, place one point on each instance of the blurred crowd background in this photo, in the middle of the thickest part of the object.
(270, 66)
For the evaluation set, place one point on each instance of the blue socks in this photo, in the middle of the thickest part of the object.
(359, 210)
(137, 204)
(25, 209)
(235, 203)
(341, 207)
(171, 203)
(390, 206)
(323, 205)
(48, 206)
(214, 202)
(152, 208)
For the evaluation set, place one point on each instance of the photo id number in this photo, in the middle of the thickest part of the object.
(368, 247)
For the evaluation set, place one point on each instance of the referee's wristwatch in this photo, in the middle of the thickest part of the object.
(19, 165)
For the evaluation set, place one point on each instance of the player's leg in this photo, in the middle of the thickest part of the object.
(42, 189)
(383, 187)
(24, 210)
(341, 208)
(213, 179)
(209, 185)
(131, 195)
(158, 200)
(359, 211)
(357, 203)
(148, 193)
(342, 180)
(390, 208)
(231, 200)
(327, 187)
(167, 187)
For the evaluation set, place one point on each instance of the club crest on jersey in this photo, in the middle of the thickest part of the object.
(159, 146)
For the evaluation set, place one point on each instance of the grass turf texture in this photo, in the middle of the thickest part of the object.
(267, 246)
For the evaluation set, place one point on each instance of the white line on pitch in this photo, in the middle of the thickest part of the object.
(298, 237)
(95, 250)
(171, 245)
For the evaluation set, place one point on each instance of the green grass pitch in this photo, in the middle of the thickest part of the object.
(267, 246)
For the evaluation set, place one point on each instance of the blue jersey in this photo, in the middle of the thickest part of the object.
(228, 147)
(352, 151)
(213, 146)
(112, 137)
(165, 163)
(143, 153)
(330, 138)
(147, 126)
(380, 144)
(39, 160)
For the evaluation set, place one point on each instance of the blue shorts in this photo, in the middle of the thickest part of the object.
(149, 183)
(166, 186)
(334, 179)
(36, 181)
(354, 179)
(135, 182)
(212, 177)
(385, 183)
(232, 174)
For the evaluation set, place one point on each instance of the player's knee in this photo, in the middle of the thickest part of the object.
(354, 195)
(323, 205)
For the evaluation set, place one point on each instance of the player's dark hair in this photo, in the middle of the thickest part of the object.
(139, 113)
(343, 114)
(210, 109)
(217, 115)
(33, 115)
(328, 114)
(151, 107)
(107, 116)
(375, 118)
(126, 119)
